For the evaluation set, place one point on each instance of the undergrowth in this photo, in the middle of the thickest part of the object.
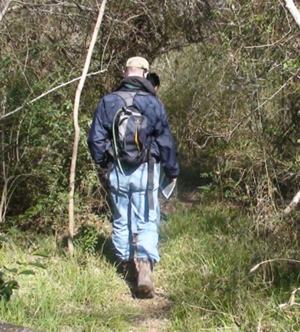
(207, 254)
(207, 257)
(82, 293)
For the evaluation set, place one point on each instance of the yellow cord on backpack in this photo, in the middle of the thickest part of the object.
(136, 140)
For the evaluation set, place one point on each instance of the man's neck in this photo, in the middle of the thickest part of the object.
(135, 75)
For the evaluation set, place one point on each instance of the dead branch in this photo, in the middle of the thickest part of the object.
(291, 301)
(293, 10)
(295, 201)
(254, 268)
(77, 128)
(3, 8)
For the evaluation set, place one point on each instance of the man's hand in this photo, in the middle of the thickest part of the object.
(101, 171)
(102, 175)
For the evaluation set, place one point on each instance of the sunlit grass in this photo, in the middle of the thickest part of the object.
(207, 254)
(82, 292)
(207, 257)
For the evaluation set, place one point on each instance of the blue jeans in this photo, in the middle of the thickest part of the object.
(135, 227)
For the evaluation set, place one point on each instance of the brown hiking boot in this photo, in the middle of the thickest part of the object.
(145, 286)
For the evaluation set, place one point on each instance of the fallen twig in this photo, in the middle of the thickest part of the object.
(254, 268)
(295, 201)
(291, 301)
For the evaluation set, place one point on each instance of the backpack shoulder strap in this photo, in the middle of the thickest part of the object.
(143, 93)
(127, 96)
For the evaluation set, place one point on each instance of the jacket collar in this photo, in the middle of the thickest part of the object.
(137, 83)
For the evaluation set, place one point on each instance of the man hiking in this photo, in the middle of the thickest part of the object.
(129, 139)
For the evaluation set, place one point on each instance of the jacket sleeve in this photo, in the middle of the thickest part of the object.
(167, 146)
(98, 136)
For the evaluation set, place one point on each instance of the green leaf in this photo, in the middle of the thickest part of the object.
(40, 254)
(27, 272)
(206, 188)
(21, 263)
(13, 270)
(3, 238)
(37, 264)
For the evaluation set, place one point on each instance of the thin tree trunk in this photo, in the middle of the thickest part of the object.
(4, 171)
(293, 10)
(77, 129)
(3, 8)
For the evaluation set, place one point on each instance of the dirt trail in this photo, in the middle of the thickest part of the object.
(5, 327)
(154, 314)
(151, 315)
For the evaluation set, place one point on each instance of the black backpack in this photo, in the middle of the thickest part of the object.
(130, 131)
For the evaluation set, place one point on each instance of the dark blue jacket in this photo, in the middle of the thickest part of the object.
(163, 147)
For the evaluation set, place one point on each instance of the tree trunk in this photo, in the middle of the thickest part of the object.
(77, 129)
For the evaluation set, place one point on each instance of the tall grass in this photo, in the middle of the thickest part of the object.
(82, 293)
(207, 257)
(207, 254)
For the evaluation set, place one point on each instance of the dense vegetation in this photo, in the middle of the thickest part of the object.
(230, 77)
(230, 82)
(43, 45)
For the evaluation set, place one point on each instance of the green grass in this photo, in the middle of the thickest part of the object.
(207, 254)
(83, 293)
(206, 258)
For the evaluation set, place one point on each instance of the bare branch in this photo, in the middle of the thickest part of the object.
(254, 268)
(275, 43)
(291, 301)
(295, 201)
(44, 94)
(293, 10)
(3, 8)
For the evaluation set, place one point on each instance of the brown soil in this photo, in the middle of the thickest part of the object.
(154, 315)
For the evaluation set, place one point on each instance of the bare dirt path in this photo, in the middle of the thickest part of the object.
(154, 314)
(5, 327)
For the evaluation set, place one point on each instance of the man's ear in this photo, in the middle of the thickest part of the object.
(145, 73)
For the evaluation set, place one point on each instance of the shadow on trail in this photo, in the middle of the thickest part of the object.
(104, 247)
(194, 183)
